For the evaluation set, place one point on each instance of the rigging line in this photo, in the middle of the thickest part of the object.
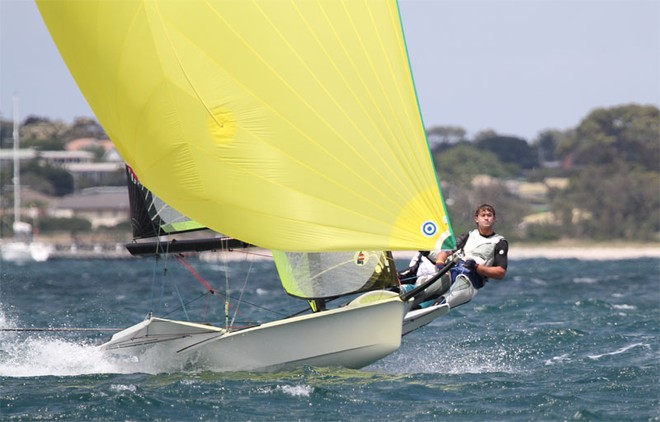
(195, 273)
(228, 297)
(211, 290)
(165, 270)
(240, 297)
(155, 266)
(205, 294)
(183, 305)
(227, 291)
(153, 283)
(199, 278)
(154, 276)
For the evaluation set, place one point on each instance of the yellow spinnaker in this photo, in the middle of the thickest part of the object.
(292, 125)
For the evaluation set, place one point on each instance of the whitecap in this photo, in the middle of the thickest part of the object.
(123, 387)
(558, 359)
(447, 358)
(538, 281)
(33, 355)
(36, 356)
(624, 306)
(296, 390)
(585, 280)
(619, 351)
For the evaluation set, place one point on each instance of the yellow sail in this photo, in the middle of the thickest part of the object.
(292, 125)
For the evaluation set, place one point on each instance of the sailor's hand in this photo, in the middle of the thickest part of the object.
(470, 264)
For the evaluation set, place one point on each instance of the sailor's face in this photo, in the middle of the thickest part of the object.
(485, 219)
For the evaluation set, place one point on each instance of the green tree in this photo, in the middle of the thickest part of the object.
(510, 150)
(462, 201)
(462, 162)
(445, 135)
(43, 134)
(629, 133)
(546, 144)
(85, 127)
(6, 133)
(622, 201)
(47, 179)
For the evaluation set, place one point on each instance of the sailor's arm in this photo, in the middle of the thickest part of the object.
(495, 271)
(441, 258)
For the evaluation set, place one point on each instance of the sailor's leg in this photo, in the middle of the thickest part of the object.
(461, 292)
(427, 298)
(439, 287)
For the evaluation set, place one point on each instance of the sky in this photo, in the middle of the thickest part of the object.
(517, 67)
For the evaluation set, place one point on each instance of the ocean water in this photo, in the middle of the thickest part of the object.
(557, 340)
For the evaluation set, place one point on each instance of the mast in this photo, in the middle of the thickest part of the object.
(17, 171)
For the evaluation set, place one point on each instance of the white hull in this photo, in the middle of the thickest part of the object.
(354, 336)
(421, 317)
(22, 252)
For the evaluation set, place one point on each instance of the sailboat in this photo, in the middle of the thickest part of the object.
(287, 125)
(22, 248)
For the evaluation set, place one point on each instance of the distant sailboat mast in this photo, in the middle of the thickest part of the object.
(23, 248)
(17, 170)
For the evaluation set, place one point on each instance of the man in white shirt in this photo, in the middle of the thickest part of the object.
(484, 256)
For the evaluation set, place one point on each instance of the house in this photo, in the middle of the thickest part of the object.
(102, 206)
(79, 163)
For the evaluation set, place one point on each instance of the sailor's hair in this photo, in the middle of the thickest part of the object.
(483, 207)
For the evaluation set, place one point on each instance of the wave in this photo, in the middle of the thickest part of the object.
(619, 351)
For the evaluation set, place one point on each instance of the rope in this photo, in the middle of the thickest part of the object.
(195, 274)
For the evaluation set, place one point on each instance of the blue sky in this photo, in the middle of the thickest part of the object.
(514, 66)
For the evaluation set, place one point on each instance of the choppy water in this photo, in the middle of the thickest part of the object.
(558, 340)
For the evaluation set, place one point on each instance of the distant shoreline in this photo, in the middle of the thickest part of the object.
(585, 250)
(577, 250)
(568, 249)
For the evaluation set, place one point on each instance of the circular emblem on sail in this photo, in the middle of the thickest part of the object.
(361, 258)
(429, 228)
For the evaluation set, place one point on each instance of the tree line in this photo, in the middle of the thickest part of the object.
(611, 160)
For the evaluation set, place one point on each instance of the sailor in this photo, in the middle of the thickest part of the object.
(484, 256)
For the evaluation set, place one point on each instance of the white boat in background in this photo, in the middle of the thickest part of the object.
(23, 251)
(22, 248)
(292, 126)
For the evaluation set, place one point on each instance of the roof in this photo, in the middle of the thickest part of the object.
(80, 143)
(99, 198)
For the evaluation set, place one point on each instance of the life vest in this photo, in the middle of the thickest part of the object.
(481, 248)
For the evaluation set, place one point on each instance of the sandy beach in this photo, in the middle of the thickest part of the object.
(585, 251)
